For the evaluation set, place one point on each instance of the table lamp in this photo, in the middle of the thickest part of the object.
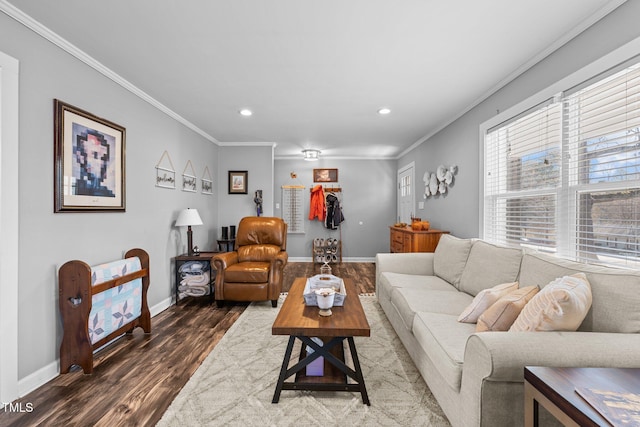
(189, 217)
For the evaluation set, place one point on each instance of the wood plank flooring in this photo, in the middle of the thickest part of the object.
(136, 378)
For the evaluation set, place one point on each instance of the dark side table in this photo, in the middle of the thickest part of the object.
(226, 245)
(195, 264)
(555, 389)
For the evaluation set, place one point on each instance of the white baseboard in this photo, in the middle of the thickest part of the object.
(350, 259)
(162, 306)
(42, 376)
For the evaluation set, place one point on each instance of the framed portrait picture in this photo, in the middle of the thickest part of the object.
(89, 162)
(325, 175)
(238, 182)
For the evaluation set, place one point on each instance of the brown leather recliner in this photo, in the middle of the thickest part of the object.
(253, 272)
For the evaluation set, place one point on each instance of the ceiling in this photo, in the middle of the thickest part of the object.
(315, 72)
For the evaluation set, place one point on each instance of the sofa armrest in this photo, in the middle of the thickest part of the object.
(420, 263)
(502, 356)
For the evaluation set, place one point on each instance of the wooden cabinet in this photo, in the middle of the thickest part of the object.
(408, 240)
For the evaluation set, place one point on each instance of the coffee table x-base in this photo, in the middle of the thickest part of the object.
(303, 322)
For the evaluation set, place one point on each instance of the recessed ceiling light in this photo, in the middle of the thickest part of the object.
(245, 112)
(384, 111)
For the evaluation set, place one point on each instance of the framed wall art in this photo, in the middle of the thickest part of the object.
(325, 175)
(165, 173)
(238, 182)
(207, 182)
(189, 180)
(89, 162)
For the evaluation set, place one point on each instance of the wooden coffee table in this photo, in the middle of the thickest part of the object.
(302, 322)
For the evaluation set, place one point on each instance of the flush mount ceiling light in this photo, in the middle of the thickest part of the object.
(310, 154)
(384, 111)
(245, 112)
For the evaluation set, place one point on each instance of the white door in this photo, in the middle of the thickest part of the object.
(406, 193)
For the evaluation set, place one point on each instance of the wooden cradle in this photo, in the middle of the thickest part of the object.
(76, 294)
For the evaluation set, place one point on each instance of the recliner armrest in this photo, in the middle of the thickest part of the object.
(280, 260)
(223, 260)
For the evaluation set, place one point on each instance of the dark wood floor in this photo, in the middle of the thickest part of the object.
(136, 378)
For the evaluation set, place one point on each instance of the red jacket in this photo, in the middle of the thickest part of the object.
(317, 206)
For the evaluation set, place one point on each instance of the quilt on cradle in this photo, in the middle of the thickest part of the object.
(117, 306)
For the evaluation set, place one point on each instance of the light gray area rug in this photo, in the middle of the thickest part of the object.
(235, 383)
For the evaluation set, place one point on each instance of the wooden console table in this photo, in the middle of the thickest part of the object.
(555, 389)
(408, 240)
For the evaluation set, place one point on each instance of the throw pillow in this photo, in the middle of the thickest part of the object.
(485, 299)
(562, 305)
(501, 315)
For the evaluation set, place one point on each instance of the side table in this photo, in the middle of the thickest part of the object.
(195, 265)
(226, 245)
(555, 389)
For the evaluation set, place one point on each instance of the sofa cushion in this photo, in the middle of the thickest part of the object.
(560, 306)
(489, 265)
(450, 257)
(485, 299)
(501, 315)
(409, 301)
(389, 281)
(443, 339)
(615, 291)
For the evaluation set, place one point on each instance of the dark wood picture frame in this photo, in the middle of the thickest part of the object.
(89, 161)
(325, 175)
(238, 182)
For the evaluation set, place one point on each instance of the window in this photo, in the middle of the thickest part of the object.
(564, 177)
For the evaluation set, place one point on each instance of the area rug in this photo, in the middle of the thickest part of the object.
(235, 383)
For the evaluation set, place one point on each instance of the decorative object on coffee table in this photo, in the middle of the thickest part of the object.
(325, 297)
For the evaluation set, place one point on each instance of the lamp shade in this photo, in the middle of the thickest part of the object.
(188, 217)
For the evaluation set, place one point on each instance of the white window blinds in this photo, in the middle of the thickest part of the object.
(522, 174)
(603, 142)
(565, 176)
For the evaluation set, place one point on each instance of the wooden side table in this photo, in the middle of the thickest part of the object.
(555, 390)
(205, 261)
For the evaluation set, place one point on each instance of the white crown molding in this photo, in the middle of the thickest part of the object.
(247, 144)
(561, 41)
(298, 157)
(73, 50)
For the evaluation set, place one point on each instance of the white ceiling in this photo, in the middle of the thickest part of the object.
(315, 72)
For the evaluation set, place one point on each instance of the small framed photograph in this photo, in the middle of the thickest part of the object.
(238, 182)
(89, 162)
(325, 175)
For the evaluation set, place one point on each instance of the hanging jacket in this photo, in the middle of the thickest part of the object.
(334, 212)
(317, 207)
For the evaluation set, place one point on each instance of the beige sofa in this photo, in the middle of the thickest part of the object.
(477, 378)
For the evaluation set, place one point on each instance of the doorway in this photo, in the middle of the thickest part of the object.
(406, 193)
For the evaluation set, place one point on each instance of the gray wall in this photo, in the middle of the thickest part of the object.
(459, 143)
(257, 161)
(368, 196)
(47, 240)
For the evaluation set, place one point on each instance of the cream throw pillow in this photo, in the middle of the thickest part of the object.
(485, 299)
(501, 315)
(562, 305)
